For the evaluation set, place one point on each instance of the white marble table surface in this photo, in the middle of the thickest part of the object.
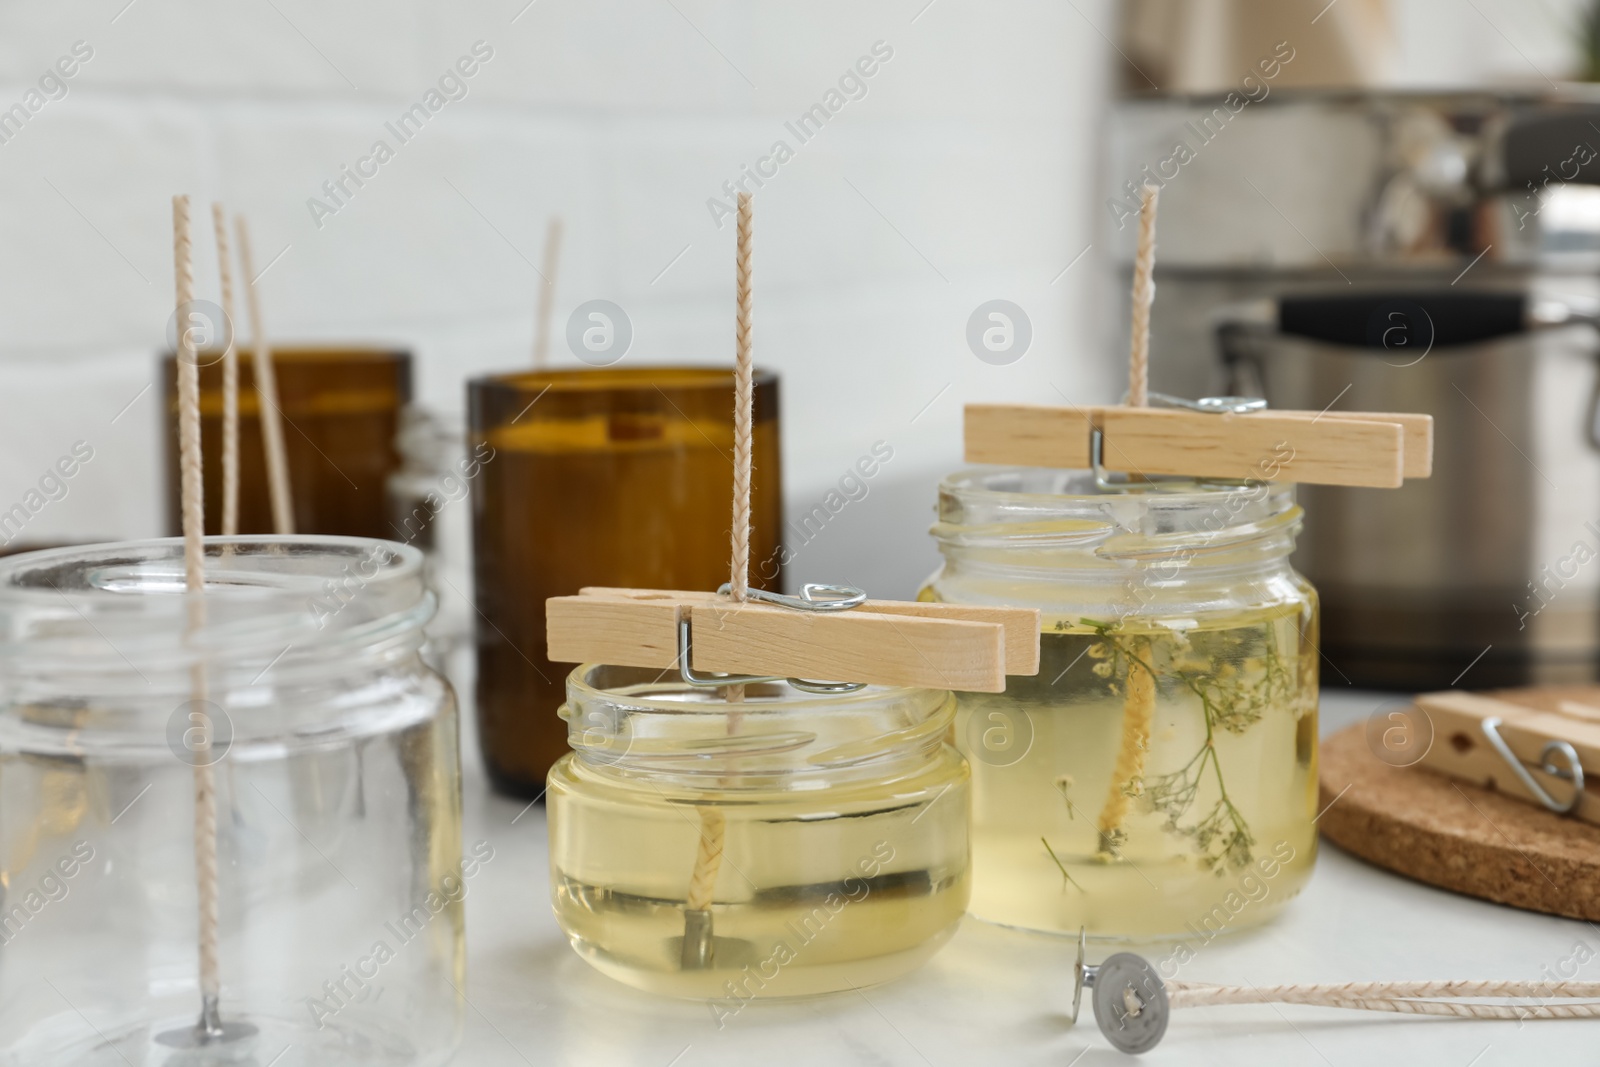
(997, 996)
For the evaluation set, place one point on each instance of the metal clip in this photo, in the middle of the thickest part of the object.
(814, 596)
(1211, 405)
(834, 597)
(1573, 772)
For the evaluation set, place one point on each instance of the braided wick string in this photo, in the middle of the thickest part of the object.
(744, 407)
(713, 824)
(1412, 998)
(267, 390)
(193, 489)
(707, 859)
(547, 293)
(1138, 714)
(230, 382)
(1139, 704)
(1144, 294)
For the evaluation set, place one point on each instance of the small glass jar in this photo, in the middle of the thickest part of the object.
(616, 476)
(333, 753)
(341, 405)
(839, 826)
(1157, 778)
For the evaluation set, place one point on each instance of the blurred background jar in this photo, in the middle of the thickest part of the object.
(604, 476)
(341, 406)
(1162, 763)
(334, 752)
(843, 819)
(427, 502)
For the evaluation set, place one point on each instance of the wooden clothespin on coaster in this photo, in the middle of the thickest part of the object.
(1217, 437)
(1501, 745)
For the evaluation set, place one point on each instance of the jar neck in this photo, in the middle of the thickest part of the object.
(112, 624)
(1224, 561)
(1165, 553)
(1030, 523)
(625, 726)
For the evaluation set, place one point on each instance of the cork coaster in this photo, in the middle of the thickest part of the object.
(1459, 836)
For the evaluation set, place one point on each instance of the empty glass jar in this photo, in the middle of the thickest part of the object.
(333, 754)
(788, 845)
(1157, 778)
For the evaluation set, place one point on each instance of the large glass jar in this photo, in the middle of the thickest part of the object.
(618, 476)
(1157, 778)
(838, 827)
(333, 754)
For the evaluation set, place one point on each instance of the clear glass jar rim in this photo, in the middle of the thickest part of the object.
(123, 603)
(1064, 509)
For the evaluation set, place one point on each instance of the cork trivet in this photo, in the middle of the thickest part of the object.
(1459, 836)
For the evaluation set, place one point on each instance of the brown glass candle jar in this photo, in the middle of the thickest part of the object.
(607, 476)
(341, 413)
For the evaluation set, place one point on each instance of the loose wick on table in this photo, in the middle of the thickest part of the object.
(1133, 1004)
(267, 391)
(1411, 998)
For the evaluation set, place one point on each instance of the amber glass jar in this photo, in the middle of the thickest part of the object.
(341, 407)
(606, 476)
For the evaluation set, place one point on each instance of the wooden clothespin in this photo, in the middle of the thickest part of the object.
(739, 635)
(1213, 439)
(1218, 437)
(1549, 758)
(878, 642)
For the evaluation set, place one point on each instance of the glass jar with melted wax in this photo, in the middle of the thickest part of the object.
(788, 845)
(1157, 778)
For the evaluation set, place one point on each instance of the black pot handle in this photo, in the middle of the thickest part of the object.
(1415, 321)
(1552, 145)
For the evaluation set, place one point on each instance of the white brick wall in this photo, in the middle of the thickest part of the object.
(968, 172)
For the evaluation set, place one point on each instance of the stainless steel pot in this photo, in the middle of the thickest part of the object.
(1406, 252)
(1476, 566)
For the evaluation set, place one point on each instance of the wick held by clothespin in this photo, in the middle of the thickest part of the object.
(1216, 437)
(740, 635)
(1232, 438)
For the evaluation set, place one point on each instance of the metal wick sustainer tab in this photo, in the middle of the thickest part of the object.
(1130, 1000)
